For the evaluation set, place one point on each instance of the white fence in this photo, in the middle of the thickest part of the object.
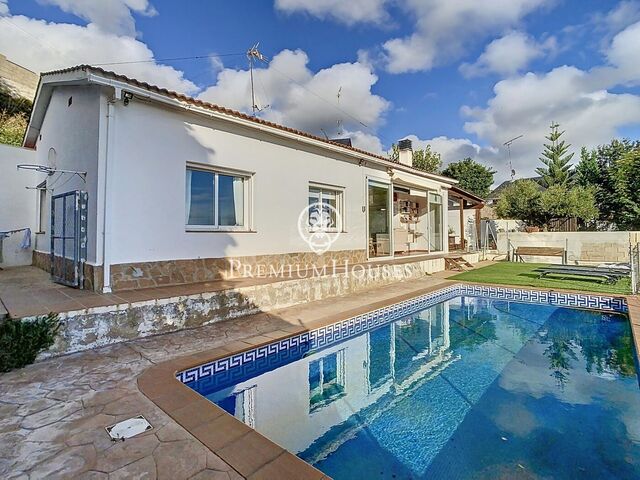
(581, 247)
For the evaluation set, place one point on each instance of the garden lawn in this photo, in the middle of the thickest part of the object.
(523, 274)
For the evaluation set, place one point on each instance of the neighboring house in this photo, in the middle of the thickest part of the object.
(19, 80)
(179, 190)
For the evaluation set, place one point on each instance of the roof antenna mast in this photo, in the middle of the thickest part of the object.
(508, 145)
(254, 54)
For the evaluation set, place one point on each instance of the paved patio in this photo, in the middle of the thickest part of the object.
(29, 291)
(53, 413)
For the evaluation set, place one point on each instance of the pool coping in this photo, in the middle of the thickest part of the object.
(248, 452)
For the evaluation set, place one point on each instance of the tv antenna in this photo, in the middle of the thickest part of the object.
(508, 145)
(254, 54)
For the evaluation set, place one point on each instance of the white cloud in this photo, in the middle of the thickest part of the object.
(619, 18)
(580, 100)
(4, 8)
(624, 54)
(365, 141)
(444, 28)
(293, 95)
(348, 12)
(508, 54)
(456, 149)
(42, 46)
(111, 15)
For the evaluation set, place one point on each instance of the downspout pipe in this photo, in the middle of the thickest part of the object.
(108, 182)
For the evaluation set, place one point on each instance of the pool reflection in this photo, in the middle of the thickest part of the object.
(393, 402)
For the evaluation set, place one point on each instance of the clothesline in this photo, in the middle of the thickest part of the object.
(26, 240)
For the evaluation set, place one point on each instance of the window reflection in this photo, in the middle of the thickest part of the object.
(241, 405)
(326, 380)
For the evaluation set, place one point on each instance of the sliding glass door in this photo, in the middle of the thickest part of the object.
(435, 222)
(379, 201)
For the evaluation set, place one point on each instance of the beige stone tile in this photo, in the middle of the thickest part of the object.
(192, 416)
(287, 466)
(249, 453)
(220, 431)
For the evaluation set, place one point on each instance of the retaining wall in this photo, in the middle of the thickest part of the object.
(94, 327)
(582, 247)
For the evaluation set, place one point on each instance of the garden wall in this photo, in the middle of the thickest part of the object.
(582, 247)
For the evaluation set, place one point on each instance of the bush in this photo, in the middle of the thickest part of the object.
(21, 341)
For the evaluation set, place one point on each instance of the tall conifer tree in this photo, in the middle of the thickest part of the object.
(557, 169)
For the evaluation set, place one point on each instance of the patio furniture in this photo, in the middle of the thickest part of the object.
(624, 271)
(521, 252)
(457, 246)
(382, 244)
(608, 275)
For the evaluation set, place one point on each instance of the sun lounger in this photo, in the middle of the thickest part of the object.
(607, 275)
(588, 268)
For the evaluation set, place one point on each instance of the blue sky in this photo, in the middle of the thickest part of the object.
(463, 76)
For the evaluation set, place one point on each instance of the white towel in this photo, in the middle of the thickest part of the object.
(26, 240)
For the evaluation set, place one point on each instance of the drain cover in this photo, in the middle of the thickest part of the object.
(128, 428)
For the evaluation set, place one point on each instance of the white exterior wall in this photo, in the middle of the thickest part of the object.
(470, 232)
(17, 204)
(152, 146)
(72, 131)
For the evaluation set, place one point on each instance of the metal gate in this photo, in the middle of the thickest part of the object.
(69, 238)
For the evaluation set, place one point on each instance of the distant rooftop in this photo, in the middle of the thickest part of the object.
(496, 192)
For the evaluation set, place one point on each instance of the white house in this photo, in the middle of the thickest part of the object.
(176, 190)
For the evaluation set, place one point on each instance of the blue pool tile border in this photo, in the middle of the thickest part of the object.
(330, 334)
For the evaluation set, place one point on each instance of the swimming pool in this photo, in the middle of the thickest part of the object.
(467, 382)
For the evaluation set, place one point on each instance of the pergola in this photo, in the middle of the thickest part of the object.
(465, 201)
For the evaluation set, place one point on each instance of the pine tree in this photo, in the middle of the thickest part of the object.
(557, 170)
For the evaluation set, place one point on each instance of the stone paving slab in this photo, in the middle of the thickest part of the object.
(53, 413)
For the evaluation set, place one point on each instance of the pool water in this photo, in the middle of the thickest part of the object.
(469, 388)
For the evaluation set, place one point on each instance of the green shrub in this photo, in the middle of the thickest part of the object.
(22, 340)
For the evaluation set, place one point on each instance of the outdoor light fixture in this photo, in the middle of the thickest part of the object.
(127, 96)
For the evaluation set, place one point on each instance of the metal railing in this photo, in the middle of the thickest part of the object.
(634, 260)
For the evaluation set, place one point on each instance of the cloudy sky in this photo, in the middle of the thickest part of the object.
(463, 75)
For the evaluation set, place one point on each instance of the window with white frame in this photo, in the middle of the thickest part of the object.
(326, 206)
(216, 199)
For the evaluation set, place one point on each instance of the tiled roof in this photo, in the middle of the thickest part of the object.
(228, 111)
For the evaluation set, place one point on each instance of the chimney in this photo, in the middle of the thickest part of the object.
(405, 152)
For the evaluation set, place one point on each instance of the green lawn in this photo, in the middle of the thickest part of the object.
(511, 273)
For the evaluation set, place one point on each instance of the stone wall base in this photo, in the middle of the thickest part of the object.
(99, 326)
(93, 277)
(129, 276)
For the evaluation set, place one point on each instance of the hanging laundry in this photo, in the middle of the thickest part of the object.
(26, 239)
